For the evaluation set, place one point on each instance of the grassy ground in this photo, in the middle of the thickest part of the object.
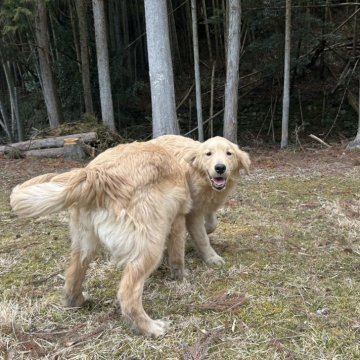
(290, 288)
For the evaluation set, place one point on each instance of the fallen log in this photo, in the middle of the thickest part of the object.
(45, 153)
(73, 149)
(54, 142)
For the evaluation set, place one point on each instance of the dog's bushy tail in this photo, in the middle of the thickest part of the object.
(50, 193)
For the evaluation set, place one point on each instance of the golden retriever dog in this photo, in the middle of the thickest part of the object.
(214, 171)
(131, 199)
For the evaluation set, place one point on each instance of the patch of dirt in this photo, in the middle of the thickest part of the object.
(335, 160)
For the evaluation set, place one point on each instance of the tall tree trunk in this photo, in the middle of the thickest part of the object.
(111, 11)
(188, 32)
(216, 28)
(15, 116)
(207, 31)
(74, 33)
(4, 122)
(139, 31)
(107, 110)
(286, 91)
(126, 39)
(164, 118)
(225, 26)
(357, 139)
(84, 50)
(232, 70)
(47, 80)
(328, 11)
(355, 144)
(174, 43)
(197, 72)
(117, 26)
(355, 38)
(53, 43)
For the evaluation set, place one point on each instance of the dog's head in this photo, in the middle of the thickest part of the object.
(221, 160)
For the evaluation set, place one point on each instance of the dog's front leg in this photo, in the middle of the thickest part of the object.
(195, 224)
(210, 222)
(176, 248)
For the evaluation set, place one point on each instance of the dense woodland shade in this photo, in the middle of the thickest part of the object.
(164, 119)
(232, 70)
(323, 92)
(107, 110)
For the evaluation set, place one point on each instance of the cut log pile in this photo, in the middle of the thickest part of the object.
(75, 146)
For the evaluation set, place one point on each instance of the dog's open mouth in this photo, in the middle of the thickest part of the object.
(218, 183)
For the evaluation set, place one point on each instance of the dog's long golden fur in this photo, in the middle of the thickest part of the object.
(130, 199)
(214, 170)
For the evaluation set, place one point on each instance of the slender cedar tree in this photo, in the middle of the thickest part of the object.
(164, 119)
(286, 91)
(197, 72)
(84, 52)
(49, 90)
(232, 70)
(102, 55)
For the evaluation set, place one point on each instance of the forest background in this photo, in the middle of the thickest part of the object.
(324, 69)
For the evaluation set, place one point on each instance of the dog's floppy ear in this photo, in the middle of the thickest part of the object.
(191, 157)
(244, 160)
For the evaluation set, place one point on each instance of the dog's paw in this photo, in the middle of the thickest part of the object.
(178, 274)
(80, 300)
(215, 260)
(157, 328)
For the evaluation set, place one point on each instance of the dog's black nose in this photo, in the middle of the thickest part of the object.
(220, 168)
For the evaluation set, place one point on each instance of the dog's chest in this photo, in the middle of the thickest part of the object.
(206, 199)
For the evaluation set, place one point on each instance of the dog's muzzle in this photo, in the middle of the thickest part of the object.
(218, 183)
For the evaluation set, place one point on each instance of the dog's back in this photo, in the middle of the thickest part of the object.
(183, 148)
(113, 177)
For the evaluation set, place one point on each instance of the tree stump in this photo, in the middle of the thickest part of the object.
(73, 149)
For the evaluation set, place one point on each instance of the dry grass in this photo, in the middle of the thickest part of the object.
(290, 288)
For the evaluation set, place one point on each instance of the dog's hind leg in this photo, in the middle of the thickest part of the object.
(84, 244)
(131, 290)
(196, 227)
(176, 248)
(74, 278)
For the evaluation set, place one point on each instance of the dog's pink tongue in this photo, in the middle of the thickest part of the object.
(219, 182)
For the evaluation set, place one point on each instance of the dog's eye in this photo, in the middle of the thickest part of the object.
(228, 153)
(209, 153)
